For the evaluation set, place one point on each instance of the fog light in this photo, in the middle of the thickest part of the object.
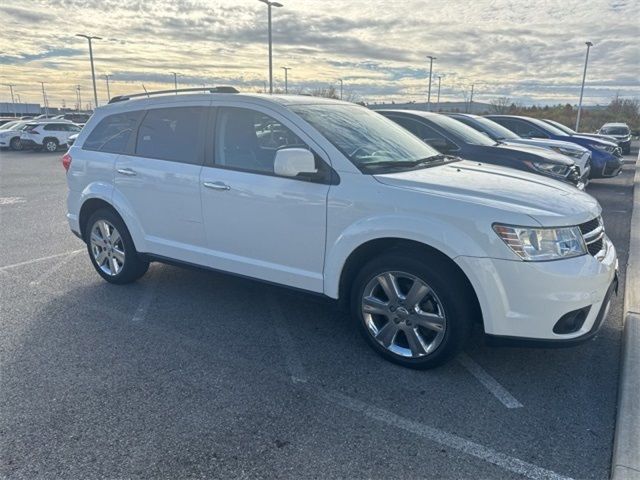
(572, 321)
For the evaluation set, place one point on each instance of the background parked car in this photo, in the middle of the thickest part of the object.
(71, 139)
(495, 131)
(451, 137)
(621, 132)
(572, 132)
(10, 134)
(47, 135)
(606, 157)
(77, 118)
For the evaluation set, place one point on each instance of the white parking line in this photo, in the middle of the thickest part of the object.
(486, 454)
(49, 272)
(292, 358)
(489, 382)
(41, 259)
(146, 299)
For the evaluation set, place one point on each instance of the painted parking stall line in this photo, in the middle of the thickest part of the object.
(468, 447)
(489, 382)
(293, 361)
(53, 270)
(41, 259)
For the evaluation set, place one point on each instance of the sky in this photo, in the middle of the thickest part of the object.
(532, 51)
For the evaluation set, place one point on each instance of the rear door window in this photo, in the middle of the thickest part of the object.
(173, 134)
(112, 133)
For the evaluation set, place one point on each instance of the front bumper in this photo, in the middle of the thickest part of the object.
(525, 300)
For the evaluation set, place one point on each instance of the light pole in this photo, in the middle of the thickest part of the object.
(341, 86)
(44, 100)
(93, 72)
(175, 82)
(431, 59)
(439, 77)
(13, 102)
(269, 5)
(584, 76)
(79, 97)
(108, 92)
(286, 79)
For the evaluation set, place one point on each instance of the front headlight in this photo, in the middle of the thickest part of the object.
(604, 148)
(569, 152)
(540, 244)
(550, 168)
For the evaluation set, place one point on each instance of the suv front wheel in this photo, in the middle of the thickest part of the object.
(111, 248)
(414, 310)
(50, 145)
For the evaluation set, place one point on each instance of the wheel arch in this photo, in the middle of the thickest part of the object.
(372, 248)
(89, 207)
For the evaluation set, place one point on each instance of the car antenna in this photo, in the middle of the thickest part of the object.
(145, 90)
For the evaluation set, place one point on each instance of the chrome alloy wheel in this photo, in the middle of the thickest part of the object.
(51, 146)
(403, 314)
(107, 247)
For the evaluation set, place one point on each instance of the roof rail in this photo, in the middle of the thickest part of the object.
(122, 98)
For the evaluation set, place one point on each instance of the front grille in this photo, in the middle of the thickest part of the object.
(593, 234)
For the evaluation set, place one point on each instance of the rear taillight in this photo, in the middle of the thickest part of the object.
(66, 161)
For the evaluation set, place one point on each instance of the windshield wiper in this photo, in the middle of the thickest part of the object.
(427, 161)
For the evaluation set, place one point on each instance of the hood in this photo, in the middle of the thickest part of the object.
(598, 141)
(549, 202)
(606, 138)
(546, 143)
(547, 155)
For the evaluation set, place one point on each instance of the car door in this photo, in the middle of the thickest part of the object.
(257, 223)
(159, 179)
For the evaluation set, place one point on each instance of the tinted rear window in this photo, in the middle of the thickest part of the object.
(172, 134)
(112, 133)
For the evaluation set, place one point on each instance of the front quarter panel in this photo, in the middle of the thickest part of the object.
(367, 210)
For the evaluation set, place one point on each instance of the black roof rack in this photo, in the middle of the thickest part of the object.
(122, 98)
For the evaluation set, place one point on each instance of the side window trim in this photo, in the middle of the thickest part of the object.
(130, 150)
(330, 176)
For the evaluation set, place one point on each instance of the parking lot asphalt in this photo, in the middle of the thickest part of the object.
(193, 374)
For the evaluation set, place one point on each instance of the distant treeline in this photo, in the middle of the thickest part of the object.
(625, 110)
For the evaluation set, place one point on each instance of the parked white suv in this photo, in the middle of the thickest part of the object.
(47, 135)
(333, 198)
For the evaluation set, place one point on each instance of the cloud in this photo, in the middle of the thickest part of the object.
(533, 51)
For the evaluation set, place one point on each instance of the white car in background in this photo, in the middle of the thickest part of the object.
(47, 135)
(579, 154)
(10, 134)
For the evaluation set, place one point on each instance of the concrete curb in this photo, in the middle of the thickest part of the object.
(625, 464)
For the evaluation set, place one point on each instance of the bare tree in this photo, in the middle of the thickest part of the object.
(500, 105)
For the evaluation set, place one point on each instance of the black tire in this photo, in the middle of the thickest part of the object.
(451, 291)
(50, 145)
(134, 265)
(15, 144)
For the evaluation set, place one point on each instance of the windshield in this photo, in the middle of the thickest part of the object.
(491, 128)
(462, 131)
(561, 127)
(9, 125)
(615, 131)
(550, 129)
(372, 143)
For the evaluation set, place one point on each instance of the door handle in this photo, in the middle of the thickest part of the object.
(217, 185)
(126, 171)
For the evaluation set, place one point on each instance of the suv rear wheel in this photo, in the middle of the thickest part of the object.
(111, 248)
(414, 310)
(15, 144)
(50, 144)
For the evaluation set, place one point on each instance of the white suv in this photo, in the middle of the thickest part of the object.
(333, 198)
(47, 135)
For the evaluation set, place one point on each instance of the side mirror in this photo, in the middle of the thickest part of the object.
(291, 162)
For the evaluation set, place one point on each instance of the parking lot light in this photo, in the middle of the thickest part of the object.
(93, 72)
(286, 79)
(584, 76)
(431, 59)
(270, 4)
